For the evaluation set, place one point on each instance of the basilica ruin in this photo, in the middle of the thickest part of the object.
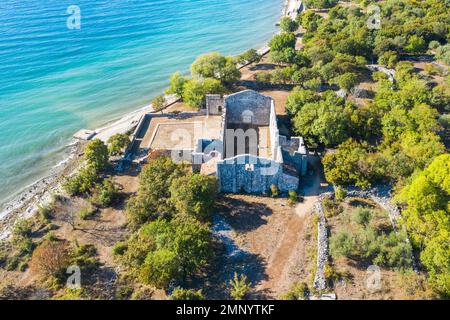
(235, 138)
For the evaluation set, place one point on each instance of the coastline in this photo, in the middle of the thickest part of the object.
(25, 204)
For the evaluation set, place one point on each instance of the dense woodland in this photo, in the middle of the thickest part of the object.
(398, 137)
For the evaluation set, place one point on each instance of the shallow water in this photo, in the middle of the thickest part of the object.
(55, 81)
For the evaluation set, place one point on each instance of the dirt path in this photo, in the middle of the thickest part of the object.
(279, 262)
(279, 265)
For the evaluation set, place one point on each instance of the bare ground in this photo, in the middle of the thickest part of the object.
(271, 240)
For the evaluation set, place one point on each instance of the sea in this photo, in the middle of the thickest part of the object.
(67, 65)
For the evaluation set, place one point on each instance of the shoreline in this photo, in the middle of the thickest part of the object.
(26, 202)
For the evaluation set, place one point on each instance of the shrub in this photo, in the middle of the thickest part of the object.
(342, 244)
(321, 4)
(3, 253)
(50, 261)
(116, 143)
(433, 45)
(389, 59)
(263, 77)
(86, 213)
(332, 208)
(443, 53)
(340, 193)
(390, 250)
(106, 194)
(362, 216)
(70, 294)
(298, 291)
(85, 257)
(431, 69)
(24, 246)
(274, 191)
(186, 294)
(123, 292)
(119, 248)
(293, 196)
(22, 229)
(239, 287)
(45, 212)
(82, 182)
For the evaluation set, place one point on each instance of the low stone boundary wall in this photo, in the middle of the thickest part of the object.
(320, 282)
(380, 196)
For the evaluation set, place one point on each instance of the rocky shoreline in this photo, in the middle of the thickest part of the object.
(26, 203)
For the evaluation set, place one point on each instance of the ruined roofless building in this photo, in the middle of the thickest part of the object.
(251, 155)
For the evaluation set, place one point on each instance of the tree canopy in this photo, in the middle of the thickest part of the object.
(214, 65)
(427, 218)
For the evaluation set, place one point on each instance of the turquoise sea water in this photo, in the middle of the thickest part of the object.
(55, 81)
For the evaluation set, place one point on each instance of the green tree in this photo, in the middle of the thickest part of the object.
(159, 103)
(347, 81)
(96, 154)
(194, 195)
(298, 98)
(282, 48)
(213, 65)
(349, 165)
(117, 142)
(178, 249)
(177, 82)
(288, 25)
(416, 44)
(151, 200)
(186, 294)
(426, 216)
(195, 91)
(282, 41)
(320, 4)
(325, 122)
(421, 118)
(249, 56)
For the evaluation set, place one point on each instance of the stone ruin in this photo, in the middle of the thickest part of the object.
(251, 155)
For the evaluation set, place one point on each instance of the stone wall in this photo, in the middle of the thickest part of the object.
(380, 196)
(320, 282)
(240, 103)
(214, 104)
(253, 175)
